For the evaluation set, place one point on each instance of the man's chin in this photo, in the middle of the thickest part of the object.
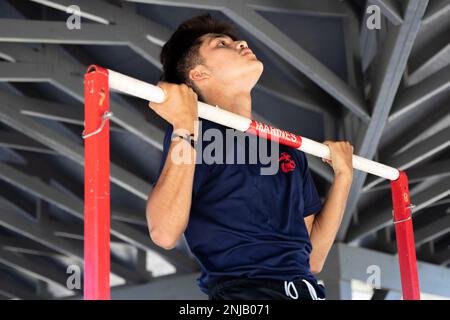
(256, 64)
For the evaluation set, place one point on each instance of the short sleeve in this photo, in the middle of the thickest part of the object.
(311, 198)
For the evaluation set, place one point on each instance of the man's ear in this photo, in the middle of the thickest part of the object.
(199, 73)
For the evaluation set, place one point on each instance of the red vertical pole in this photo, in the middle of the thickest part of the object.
(405, 238)
(96, 186)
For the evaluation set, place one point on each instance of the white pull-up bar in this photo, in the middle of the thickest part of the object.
(138, 88)
(97, 83)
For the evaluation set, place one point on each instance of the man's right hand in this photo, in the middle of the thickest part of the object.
(180, 106)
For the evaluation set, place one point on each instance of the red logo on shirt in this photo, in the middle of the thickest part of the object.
(287, 164)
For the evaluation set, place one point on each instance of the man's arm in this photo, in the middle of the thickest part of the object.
(323, 226)
(169, 203)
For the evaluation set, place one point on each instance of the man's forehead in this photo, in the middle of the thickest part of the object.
(211, 36)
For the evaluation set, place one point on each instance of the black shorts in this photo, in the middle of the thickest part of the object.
(262, 289)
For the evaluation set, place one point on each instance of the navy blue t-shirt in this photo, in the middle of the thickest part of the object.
(245, 224)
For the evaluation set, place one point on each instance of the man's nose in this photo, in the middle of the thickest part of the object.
(242, 44)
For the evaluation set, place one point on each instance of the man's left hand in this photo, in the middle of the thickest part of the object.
(341, 157)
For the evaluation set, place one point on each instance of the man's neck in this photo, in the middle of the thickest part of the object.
(238, 103)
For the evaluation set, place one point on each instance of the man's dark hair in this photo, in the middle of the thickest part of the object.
(181, 53)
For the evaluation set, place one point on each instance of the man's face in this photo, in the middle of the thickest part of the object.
(229, 62)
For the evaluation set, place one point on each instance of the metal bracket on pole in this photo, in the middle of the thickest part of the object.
(96, 192)
(107, 115)
(405, 237)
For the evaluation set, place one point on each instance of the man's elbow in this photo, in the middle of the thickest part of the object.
(316, 267)
(163, 240)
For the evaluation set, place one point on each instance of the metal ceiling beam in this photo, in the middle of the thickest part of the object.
(392, 65)
(39, 67)
(24, 72)
(195, 4)
(125, 215)
(426, 149)
(142, 35)
(414, 96)
(390, 9)
(436, 10)
(439, 257)
(321, 8)
(378, 218)
(41, 270)
(432, 230)
(104, 17)
(286, 48)
(352, 263)
(13, 290)
(443, 257)
(430, 123)
(318, 7)
(293, 96)
(432, 59)
(43, 109)
(72, 150)
(75, 207)
(19, 142)
(38, 31)
(26, 246)
(428, 170)
(431, 51)
(28, 228)
(44, 235)
(418, 132)
(11, 199)
(115, 15)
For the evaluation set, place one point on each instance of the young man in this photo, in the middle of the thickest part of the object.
(255, 236)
